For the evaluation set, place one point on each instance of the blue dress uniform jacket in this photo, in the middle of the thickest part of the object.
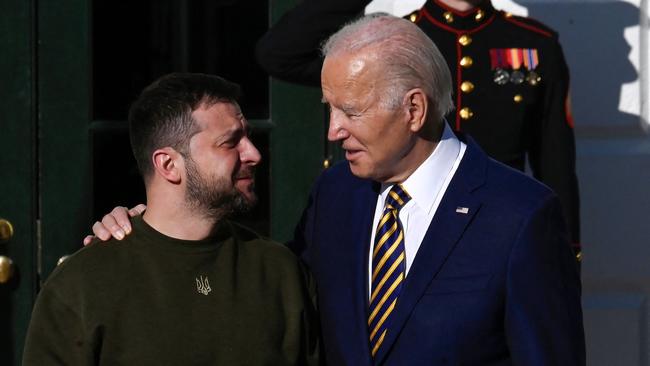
(525, 116)
(495, 284)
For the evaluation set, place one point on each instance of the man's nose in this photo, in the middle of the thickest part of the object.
(249, 153)
(336, 130)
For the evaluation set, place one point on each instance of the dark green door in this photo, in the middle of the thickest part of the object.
(18, 199)
(44, 161)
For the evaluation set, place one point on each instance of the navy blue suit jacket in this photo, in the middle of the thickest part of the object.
(497, 285)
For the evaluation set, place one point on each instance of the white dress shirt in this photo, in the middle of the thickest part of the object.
(426, 186)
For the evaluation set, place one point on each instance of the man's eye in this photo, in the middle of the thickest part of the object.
(230, 143)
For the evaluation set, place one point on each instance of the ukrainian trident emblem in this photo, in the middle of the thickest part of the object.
(202, 285)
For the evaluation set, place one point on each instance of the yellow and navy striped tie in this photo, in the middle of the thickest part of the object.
(388, 266)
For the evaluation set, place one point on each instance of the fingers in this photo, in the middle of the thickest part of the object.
(100, 231)
(88, 239)
(137, 210)
(117, 222)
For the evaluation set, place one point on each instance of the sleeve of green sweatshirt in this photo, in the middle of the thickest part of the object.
(55, 335)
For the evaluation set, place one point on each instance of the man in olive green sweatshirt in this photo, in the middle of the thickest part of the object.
(187, 287)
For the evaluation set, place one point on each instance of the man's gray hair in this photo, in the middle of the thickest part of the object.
(409, 56)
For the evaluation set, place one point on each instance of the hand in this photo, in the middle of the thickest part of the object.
(116, 224)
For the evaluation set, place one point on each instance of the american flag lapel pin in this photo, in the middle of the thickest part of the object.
(463, 210)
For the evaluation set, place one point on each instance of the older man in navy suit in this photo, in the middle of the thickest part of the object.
(425, 251)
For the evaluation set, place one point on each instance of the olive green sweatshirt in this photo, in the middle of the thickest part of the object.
(233, 299)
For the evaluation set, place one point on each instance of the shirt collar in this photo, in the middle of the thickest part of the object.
(425, 183)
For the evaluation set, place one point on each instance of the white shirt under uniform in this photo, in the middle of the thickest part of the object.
(426, 186)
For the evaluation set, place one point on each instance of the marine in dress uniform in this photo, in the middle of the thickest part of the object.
(511, 92)
(512, 82)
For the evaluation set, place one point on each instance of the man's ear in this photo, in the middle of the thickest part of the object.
(417, 105)
(168, 164)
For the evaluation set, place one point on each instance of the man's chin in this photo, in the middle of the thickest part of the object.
(360, 170)
(245, 201)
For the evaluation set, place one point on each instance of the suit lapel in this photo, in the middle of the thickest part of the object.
(445, 230)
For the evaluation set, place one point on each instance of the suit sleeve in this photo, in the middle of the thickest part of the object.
(302, 241)
(552, 156)
(313, 338)
(55, 334)
(543, 319)
(290, 50)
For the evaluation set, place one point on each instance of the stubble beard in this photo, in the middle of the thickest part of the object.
(215, 197)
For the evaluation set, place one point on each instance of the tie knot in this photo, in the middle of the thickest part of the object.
(397, 197)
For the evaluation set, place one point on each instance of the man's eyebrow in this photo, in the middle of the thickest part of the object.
(233, 133)
(347, 107)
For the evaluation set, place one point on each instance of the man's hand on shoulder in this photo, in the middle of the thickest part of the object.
(115, 224)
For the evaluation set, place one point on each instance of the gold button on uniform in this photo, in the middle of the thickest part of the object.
(413, 17)
(466, 86)
(466, 62)
(466, 113)
(480, 14)
(518, 98)
(449, 17)
(465, 40)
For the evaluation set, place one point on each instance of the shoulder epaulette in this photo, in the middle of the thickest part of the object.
(530, 24)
